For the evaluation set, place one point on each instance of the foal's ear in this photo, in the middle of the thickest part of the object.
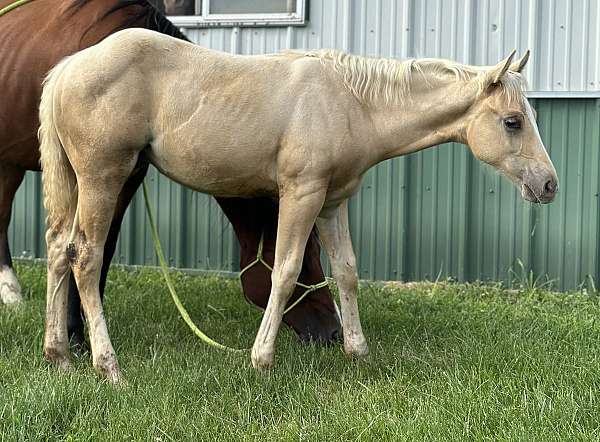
(495, 74)
(518, 65)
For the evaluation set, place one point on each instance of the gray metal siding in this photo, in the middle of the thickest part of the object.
(564, 35)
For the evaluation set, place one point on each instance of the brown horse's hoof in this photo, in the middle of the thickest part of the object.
(79, 347)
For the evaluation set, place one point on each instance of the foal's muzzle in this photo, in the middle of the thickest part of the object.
(539, 187)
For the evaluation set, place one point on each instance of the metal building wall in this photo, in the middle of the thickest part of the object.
(438, 212)
(563, 35)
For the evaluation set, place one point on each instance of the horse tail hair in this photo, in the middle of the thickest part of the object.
(58, 178)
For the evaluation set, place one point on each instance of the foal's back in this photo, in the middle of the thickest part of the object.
(216, 122)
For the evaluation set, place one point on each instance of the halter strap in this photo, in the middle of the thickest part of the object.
(309, 288)
(182, 310)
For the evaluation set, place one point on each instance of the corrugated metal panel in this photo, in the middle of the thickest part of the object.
(436, 213)
(192, 227)
(564, 35)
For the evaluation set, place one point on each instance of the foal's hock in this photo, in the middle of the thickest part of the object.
(300, 127)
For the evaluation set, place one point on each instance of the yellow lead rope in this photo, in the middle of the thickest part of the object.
(12, 6)
(182, 311)
(165, 270)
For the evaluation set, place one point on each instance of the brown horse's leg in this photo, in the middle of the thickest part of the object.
(10, 179)
(75, 317)
(315, 318)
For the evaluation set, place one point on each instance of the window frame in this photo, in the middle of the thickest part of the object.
(206, 19)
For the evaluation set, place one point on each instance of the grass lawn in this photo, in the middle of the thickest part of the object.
(456, 362)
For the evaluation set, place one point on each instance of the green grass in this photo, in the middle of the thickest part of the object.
(453, 362)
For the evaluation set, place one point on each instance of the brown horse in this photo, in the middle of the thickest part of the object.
(33, 38)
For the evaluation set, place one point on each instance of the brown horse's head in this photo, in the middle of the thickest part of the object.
(315, 318)
(501, 130)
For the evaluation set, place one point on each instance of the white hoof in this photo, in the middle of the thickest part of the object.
(356, 346)
(106, 366)
(10, 290)
(262, 360)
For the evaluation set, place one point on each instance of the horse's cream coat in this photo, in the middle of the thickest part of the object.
(302, 128)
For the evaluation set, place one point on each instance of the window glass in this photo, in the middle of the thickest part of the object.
(176, 7)
(251, 7)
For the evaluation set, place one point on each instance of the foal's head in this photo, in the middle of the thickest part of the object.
(501, 131)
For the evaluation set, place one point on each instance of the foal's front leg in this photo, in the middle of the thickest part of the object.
(334, 232)
(298, 209)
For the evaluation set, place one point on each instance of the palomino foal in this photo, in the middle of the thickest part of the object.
(300, 127)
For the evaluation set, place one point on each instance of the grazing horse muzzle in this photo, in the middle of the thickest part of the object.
(539, 187)
(316, 321)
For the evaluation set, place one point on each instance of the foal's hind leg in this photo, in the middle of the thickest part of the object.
(10, 179)
(75, 318)
(56, 341)
(335, 235)
(96, 206)
(298, 208)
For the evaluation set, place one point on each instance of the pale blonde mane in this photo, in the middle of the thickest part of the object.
(389, 81)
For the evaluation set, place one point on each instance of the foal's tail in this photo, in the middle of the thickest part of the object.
(60, 184)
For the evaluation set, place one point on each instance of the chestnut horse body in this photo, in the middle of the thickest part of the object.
(62, 28)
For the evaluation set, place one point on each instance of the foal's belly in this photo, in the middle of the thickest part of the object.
(218, 171)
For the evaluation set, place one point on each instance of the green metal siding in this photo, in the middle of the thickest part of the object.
(437, 212)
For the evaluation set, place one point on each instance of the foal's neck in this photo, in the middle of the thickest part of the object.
(431, 115)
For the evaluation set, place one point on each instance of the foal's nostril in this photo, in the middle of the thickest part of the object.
(550, 186)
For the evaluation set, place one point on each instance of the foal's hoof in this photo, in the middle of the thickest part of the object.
(262, 360)
(58, 358)
(107, 367)
(356, 348)
(10, 290)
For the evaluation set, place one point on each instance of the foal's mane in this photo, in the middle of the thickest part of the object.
(151, 17)
(377, 80)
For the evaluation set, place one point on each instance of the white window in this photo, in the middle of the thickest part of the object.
(233, 12)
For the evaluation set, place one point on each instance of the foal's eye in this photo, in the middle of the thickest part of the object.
(512, 123)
